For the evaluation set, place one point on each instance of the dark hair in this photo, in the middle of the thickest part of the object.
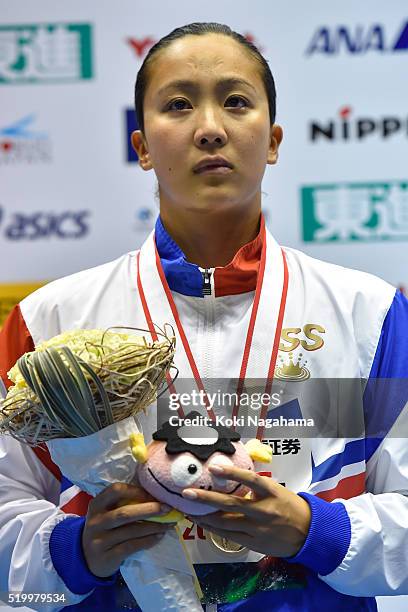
(197, 29)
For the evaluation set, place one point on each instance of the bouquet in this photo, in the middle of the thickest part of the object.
(80, 393)
(81, 381)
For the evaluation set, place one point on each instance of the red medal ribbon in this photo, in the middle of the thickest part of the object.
(249, 336)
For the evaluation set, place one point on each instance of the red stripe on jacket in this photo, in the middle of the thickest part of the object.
(240, 275)
(15, 340)
(78, 504)
(346, 488)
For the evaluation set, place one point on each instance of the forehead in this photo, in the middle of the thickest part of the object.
(202, 58)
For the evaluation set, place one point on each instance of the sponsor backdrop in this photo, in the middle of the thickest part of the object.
(71, 192)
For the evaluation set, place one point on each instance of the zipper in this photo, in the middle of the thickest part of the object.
(207, 333)
(207, 274)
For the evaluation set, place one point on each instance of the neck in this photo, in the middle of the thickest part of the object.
(211, 240)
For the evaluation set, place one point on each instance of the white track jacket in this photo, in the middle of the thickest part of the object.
(335, 323)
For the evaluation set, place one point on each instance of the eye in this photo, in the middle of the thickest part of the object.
(185, 470)
(178, 101)
(238, 98)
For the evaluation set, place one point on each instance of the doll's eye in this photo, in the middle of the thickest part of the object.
(185, 470)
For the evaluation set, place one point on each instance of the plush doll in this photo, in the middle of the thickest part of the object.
(179, 457)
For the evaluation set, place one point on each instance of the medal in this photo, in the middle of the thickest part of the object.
(262, 333)
(268, 324)
(226, 545)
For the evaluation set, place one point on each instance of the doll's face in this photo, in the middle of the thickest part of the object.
(165, 476)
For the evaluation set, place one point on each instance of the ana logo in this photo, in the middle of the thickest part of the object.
(39, 225)
(19, 143)
(346, 127)
(42, 53)
(142, 46)
(130, 126)
(359, 39)
(355, 212)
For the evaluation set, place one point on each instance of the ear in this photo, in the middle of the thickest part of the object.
(258, 451)
(138, 447)
(275, 140)
(139, 144)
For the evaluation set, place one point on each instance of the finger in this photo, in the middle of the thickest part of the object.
(230, 516)
(234, 536)
(125, 549)
(261, 485)
(224, 521)
(223, 501)
(116, 492)
(114, 537)
(129, 514)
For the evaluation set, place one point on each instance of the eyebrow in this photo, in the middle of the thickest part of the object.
(222, 84)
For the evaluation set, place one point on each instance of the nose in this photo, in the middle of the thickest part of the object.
(210, 130)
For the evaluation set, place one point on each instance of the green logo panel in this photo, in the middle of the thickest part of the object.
(44, 53)
(362, 212)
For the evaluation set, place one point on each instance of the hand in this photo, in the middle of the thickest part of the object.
(114, 529)
(274, 521)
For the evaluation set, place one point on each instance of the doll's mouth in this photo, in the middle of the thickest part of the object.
(162, 485)
(179, 494)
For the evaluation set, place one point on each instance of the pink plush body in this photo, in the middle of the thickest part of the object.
(165, 476)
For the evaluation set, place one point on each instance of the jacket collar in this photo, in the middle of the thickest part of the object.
(239, 276)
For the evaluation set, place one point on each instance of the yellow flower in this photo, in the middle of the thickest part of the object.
(85, 343)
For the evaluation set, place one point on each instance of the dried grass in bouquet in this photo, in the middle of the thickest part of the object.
(80, 392)
(81, 381)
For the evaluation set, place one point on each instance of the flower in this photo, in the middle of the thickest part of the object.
(84, 343)
(82, 380)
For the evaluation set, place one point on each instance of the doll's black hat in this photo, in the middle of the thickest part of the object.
(201, 440)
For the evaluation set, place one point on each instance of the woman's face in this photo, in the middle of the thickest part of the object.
(207, 115)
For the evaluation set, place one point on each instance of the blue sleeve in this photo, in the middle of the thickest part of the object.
(68, 557)
(385, 396)
(391, 357)
(386, 392)
(324, 548)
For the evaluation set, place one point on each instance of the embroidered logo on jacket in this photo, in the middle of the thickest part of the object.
(293, 367)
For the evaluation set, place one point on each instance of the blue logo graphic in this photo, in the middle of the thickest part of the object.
(131, 126)
(290, 410)
(37, 225)
(144, 219)
(360, 39)
(20, 129)
(144, 215)
(21, 144)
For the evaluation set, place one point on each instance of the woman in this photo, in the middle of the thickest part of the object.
(205, 103)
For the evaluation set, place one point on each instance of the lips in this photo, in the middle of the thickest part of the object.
(211, 164)
(210, 167)
(214, 170)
